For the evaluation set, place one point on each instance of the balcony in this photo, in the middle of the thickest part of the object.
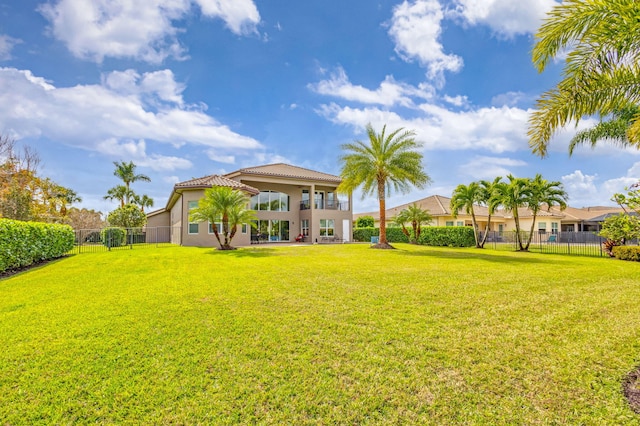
(327, 205)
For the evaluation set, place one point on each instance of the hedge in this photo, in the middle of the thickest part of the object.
(447, 236)
(25, 243)
(627, 253)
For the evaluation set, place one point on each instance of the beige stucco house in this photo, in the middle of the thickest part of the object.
(289, 201)
(547, 222)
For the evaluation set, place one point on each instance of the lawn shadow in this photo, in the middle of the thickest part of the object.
(489, 256)
(18, 271)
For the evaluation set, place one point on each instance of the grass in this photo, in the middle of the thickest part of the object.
(319, 335)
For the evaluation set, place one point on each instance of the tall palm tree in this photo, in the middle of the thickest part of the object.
(543, 193)
(613, 130)
(466, 197)
(601, 74)
(226, 205)
(127, 173)
(119, 193)
(489, 198)
(513, 195)
(384, 162)
(416, 216)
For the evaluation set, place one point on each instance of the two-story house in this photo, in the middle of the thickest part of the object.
(289, 201)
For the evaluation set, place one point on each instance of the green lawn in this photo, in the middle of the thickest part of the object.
(319, 335)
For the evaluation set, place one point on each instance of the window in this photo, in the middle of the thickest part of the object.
(327, 227)
(218, 225)
(459, 223)
(304, 204)
(244, 228)
(270, 201)
(449, 223)
(542, 227)
(554, 227)
(304, 227)
(331, 200)
(193, 226)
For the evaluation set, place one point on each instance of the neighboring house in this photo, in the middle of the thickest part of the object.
(288, 200)
(547, 222)
(438, 208)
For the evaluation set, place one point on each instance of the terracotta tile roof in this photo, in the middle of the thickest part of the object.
(587, 213)
(437, 205)
(287, 171)
(215, 180)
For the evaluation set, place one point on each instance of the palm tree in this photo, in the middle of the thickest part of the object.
(119, 193)
(127, 173)
(511, 196)
(600, 76)
(613, 130)
(416, 216)
(225, 205)
(385, 162)
(143, 201)
(466, 197)
(543, 193)
(490, 199)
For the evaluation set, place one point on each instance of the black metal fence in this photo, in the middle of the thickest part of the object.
(575, 243)
(94, 240)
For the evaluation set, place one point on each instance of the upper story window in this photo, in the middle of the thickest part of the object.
(270, 201)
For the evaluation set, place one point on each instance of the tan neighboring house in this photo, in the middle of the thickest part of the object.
(289, 201)
(547, 222)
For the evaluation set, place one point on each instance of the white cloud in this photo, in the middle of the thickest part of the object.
(389, 93)
(510, 99)
(484, 167)
(216, 156)
(415, 28)
(240, 16)
(106, 118)
(143, 30)
(506, 18)
(494, 129)
(6, 46)
(137, 152)
(632, 176)
(459, 101)
(171, 179)
(582, 189)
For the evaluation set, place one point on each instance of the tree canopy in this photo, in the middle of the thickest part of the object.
(601, 73)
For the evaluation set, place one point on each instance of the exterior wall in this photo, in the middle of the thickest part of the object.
(159, 220)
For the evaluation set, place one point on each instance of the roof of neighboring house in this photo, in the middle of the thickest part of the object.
(589, 214)
(286, 171)
(436, 205)
(215, 180)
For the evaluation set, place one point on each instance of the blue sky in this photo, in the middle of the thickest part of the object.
(187, 88)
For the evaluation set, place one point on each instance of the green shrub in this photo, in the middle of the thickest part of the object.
(365, 234)
(25, 243)
(447, 236)
(365, 222)
(395, 235)
(627, 253)
(113, 237)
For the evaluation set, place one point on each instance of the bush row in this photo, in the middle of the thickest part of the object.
(25, 243)
(627, 253)
(447, 236)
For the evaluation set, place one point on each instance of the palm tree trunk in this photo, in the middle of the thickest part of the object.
(486, 232)
(533, 225)
(383, 214)
(475, 228)
(516, 218)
